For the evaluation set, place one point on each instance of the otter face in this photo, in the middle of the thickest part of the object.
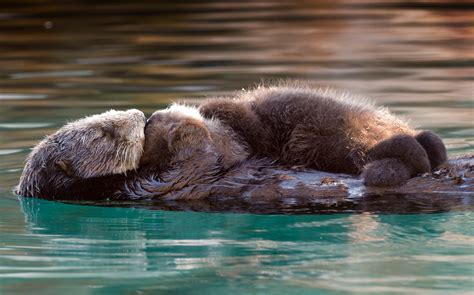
(103, 144)
(181, 132)
(172, 133)
(94, 146)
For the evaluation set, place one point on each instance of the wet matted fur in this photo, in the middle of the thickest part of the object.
(90, 148)
(327, 130)
(192, 152)
(186, 147)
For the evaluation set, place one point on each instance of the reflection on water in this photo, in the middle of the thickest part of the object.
(61, 60)
(121, 250)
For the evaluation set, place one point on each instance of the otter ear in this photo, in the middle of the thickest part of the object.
(188, 133)
(65, 166)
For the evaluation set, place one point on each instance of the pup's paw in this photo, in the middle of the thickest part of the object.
(188, 134)
(386, 172)
(433, 146)
(223, 109)
(406, 149)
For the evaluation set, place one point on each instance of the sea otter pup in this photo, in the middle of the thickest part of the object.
(189, 157)
(178, 132)
(85, 158)
(328, 131)
(182, 149)
(190, 153)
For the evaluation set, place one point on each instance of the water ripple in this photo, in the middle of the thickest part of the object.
(413, 56)
(18, 96)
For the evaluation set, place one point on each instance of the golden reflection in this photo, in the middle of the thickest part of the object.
(365, 228)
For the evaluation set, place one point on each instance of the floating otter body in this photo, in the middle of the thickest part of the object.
(85, 158)
(328, 131)
(220, 149)
(189, 151)
(183, 150)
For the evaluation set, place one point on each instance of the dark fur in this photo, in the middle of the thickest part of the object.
(186, 151)
(434, 147)
(328, 131)
(196, 159)
(242, 120)
(179, 153)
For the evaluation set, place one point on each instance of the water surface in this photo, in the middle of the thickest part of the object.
(62, 60)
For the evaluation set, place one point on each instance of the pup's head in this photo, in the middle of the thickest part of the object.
(174, 134)
(99, 145)
(180, 132)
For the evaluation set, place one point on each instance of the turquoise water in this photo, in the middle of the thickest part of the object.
(68, 249)
(63, 60)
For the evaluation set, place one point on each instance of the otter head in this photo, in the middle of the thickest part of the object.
(172, 135)
(99, 145)
(180, 132)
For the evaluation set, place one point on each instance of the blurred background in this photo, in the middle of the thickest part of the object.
(62, 60)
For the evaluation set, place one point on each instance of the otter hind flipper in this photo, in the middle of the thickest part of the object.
(410, 158)
(433, 146)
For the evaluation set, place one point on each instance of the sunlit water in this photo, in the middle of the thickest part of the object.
(63, 61)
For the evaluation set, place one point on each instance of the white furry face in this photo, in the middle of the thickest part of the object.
(98, 145)
(104, 144)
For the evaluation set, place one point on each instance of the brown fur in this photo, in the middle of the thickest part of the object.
(242, 120)
(196, 159)
(326, 130)
(174, 134)
(386, 172)
(92, 149)
(182, 149)
(434, 147)
(185, 148)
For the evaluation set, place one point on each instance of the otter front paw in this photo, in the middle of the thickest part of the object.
(188, 134)
(386, 172)
(223, 109)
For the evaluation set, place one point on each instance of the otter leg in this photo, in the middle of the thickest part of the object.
(411, 159)
(433, 146)
(234, 114)
(238, 116)
(226, 110)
